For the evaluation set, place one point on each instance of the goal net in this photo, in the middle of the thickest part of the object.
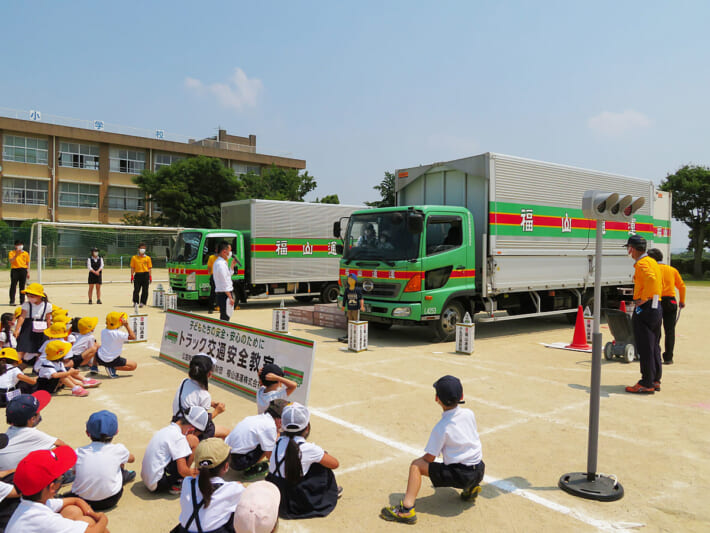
(59, 250)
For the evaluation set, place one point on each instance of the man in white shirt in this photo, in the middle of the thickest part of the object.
(223, 280)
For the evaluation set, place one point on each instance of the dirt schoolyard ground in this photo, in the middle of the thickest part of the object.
(374, 411)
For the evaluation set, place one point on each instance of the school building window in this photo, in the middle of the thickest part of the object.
(78, 195)
(24, 191)
(24, 149)
(164, 160)
(79, 155)
(126, 161)
(126, 199)
(239, 168)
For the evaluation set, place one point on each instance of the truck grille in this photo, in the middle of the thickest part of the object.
(386, 290)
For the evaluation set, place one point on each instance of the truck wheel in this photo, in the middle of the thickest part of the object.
(330, 293)
(629, 353)
(445, 327)
(303, 299)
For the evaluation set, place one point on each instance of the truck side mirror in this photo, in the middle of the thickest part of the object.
(415, 223)
(339, 249)
(336, 229)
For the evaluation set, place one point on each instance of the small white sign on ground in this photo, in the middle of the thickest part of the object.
(279, 321)
(238, 351)
(357, 335)
(139, 325)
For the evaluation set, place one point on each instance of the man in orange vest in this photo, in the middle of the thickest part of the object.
(19, 271)
(670, 281)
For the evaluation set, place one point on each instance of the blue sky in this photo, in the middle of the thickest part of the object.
(358, 88)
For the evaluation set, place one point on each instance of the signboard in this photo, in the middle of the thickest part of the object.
(357, 335)
(465, 334)
(238, 351)
(279, 320)
(139, 325)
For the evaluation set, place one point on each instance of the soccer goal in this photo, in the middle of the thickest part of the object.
(60, 250)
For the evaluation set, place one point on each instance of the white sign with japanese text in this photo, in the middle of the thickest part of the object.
(239, 351)
(139, 325)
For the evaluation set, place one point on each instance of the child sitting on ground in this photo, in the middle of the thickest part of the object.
(272, 386)
(7, 325)
(85, 346)
(112, 339)
(100, 473)
(301, 470)
(12, 378)
(168, 457)
(52, 373)
(38, 479)
(193, 391)
(207, 502)
(455, 437)
(258, 509)
(253, 439)
(36, 316)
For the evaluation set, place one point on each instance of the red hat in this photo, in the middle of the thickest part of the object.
(39, 468)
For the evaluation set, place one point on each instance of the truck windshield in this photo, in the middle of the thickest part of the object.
(380, 236)
(187, 247)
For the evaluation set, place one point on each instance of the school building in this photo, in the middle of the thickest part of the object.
(71, 174)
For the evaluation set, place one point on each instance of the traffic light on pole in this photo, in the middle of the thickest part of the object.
(599, 205)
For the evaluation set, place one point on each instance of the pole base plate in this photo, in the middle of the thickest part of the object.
(600, 488)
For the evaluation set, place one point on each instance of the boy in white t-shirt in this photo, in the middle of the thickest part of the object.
(38, 477)
(84, 347)
(455, 437)
(272, 386)
(100, 473)
(253, 439)
(168, 457)
(112, 339)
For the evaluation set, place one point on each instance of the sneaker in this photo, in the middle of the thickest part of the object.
(90, 383)
(79, 392)
(470, 494)
(128, 476)
(98, 301)
(669, 362)
(111, 372)
(135, 309)
(257, 470)
(175, 489)
(657, 386)
(94, 369)
(640, 389)
(90, 302)
(340, 491)
(141, 306)
(399, 513)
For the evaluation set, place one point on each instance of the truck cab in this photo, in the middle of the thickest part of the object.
(414, 264)
(187, 265)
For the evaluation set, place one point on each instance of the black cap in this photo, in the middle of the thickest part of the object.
(449, 390)
(270, 368)
(636, 241)
(94, 249)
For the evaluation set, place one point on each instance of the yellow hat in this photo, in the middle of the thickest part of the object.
(35, 289)
(87, 324)
(57, 311)
(58, 330)
(9, 353)
(18, 312)
(57, 350)
(114, 318)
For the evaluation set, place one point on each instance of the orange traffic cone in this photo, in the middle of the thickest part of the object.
(579, 341)
(622, 306)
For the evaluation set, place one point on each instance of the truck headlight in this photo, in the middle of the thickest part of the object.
(191, 280)
(401, 311)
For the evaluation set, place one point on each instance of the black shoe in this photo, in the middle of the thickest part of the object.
(340, 491)
(258, 470)
(343, 339)
(98, 301)
(128, 476)
(669, 362)
(89, 302)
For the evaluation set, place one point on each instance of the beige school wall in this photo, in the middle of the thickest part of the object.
(374, 411)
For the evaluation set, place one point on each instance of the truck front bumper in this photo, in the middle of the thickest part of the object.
(393, 312)
(187, 295)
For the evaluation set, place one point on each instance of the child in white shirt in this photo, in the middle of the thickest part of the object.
(112, 339)
(273, 386)
(11, 376)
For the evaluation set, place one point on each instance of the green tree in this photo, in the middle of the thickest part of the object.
(690, 186)
(386, 188)
(329, 199)
(276, 183)
(5, 233)
(189, 191)
(139, 219)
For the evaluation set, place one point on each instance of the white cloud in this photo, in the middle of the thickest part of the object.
(237, 93)
(609, 123)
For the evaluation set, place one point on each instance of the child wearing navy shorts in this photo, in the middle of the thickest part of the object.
(455, 437)
(112, 339)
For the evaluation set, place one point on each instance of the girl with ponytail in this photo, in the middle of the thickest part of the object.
(208, 502)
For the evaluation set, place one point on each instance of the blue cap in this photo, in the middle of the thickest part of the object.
(102, 424)
(353, 275)
(449, 390)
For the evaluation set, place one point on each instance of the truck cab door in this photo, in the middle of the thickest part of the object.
(445, 261)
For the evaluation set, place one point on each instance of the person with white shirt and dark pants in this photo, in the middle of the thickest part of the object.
(223, 280)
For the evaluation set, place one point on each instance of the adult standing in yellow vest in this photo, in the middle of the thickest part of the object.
(141, 276)
(19, 271)
(670, 281)
(647, 316)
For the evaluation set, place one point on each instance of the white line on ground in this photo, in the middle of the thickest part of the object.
(154, 391)
(503, 485)
(363, 466)
(125, 414)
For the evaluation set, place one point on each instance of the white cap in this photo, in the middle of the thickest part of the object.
(258, 508)
(295, 417)
(197, 416)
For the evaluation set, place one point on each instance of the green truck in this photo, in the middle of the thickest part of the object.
(497, 236)
(279, 248)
